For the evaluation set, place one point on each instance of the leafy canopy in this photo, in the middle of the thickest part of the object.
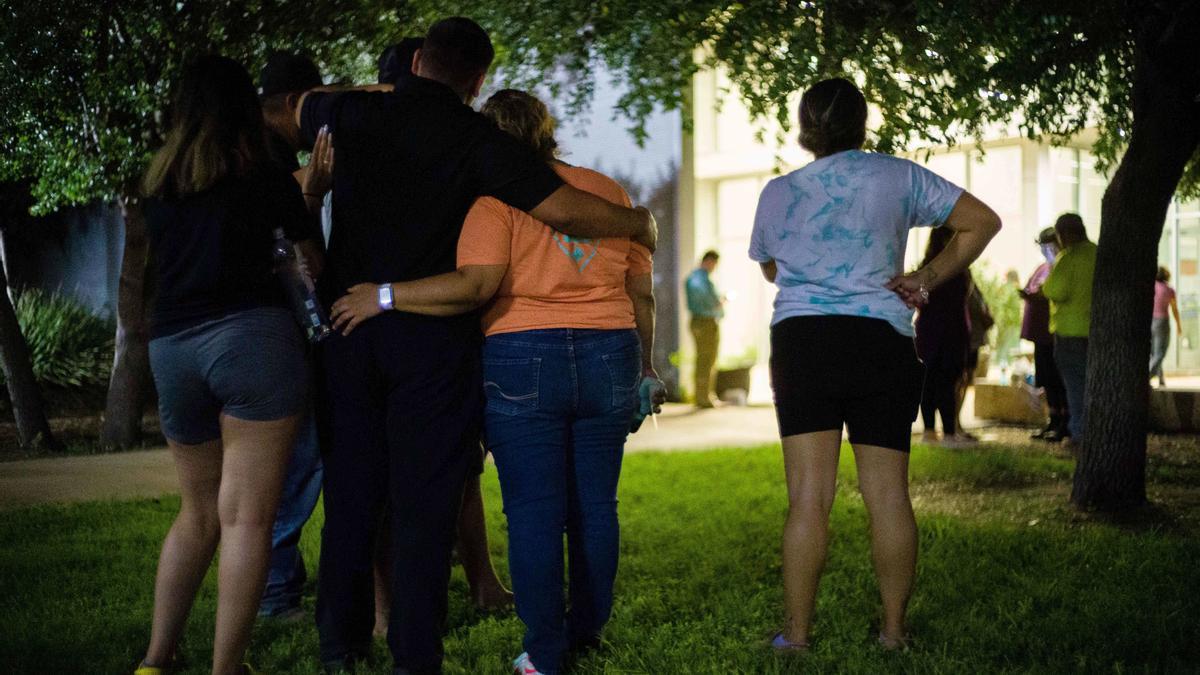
(83, 82)
(943, 72)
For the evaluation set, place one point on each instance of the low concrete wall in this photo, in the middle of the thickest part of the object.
(1175, 410)
(1171, 410)
(1009, 404)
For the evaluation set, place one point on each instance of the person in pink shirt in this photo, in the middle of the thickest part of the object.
(1160, 324)
(1035, 327)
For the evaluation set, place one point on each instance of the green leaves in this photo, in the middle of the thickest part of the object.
(69, 346)
(83, 84)
(942, 73)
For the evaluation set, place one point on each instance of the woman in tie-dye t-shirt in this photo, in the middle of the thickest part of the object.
(832, 236)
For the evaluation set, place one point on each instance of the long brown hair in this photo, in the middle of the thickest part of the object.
(216, 129)
(526, 117)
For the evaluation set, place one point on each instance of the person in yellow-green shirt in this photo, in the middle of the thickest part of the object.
(1069, 290)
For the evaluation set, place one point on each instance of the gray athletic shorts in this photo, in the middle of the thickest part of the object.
(250, 365)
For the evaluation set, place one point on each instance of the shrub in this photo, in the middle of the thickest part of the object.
(69, 346)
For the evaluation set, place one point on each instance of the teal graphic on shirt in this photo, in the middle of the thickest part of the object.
(580, 251)
(837, 231)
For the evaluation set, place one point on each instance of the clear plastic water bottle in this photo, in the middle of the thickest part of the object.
(300, 289)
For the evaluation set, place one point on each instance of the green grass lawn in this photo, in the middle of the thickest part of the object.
(1010, 579)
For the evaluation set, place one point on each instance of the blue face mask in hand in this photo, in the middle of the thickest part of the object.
(1049, 252)
(651, 393)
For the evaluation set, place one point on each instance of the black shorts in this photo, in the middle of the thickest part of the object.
(827, 371)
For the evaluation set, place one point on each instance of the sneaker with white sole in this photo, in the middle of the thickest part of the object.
(959, 441)
(523, 666)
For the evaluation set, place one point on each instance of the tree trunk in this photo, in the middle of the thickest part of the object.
(28, 409)
(1111, 472)
(130, 381)
(4, 265)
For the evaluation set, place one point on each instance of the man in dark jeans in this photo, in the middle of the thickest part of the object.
(405, 391)
(285, 77)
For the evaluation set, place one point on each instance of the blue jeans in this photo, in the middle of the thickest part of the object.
(1160, 341)
(1070, 353)
(301, 488)
(559, 405)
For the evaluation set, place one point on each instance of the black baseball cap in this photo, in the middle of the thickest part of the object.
(287, 73)
(396, 61)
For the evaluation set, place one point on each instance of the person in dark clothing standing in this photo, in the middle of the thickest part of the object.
(1035, 327)
(396, 61)
(487, 591)
(405, 390)
(283, 80)
(227, 355)
(942, 337)
(284, 77)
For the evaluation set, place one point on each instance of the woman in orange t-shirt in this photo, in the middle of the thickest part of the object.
(569, 327)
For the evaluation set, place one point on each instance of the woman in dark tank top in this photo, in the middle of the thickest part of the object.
(227, 355)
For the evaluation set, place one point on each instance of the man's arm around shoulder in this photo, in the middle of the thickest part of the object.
(582, 214)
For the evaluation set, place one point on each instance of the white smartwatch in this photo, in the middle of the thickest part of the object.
(385, 297)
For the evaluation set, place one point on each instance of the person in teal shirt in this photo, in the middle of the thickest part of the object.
(1069, 290)
(706, 307)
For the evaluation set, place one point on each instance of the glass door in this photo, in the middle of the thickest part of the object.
(1187, 283)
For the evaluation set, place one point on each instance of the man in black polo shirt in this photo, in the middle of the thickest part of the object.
(405, 390)
(396, 61)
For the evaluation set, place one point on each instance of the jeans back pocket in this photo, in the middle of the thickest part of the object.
(624, 369)
(511, 385)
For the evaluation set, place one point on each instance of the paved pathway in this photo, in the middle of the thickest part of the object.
(144, 473)
(150, 473)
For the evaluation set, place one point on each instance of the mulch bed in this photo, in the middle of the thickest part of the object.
(75, 420)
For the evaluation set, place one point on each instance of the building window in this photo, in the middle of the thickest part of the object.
(1064, 172)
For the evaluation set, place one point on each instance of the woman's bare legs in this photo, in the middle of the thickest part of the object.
(810, 462)
(883, 481)
(487, 592)
(381, 567)
(256, 457)
(188, 549)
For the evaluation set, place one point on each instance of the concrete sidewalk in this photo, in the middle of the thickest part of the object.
(122, 475)
(151, 473)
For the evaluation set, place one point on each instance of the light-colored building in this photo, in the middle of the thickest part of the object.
(728, 158)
